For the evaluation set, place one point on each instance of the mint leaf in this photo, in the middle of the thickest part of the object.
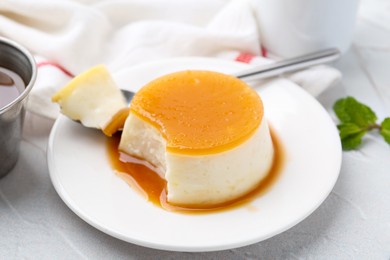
(352, 141)
(348, 129)
(356, 119)
(385, 129)
(351, 135)
(349, 110)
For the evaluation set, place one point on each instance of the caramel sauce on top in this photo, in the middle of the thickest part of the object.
(152, 186)
(224, 109)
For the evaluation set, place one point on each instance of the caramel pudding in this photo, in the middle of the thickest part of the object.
(204, 132)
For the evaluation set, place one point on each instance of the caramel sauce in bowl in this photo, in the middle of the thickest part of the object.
(11, 86)
(147, 181)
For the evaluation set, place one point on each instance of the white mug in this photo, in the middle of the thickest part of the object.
(294, 27)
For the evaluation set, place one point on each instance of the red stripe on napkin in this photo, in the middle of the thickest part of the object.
(56, 65)
(244, 57)
(264, 52)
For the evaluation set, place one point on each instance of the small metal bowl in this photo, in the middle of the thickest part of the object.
(16, 58)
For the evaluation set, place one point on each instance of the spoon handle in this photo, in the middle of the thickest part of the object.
(289, 65)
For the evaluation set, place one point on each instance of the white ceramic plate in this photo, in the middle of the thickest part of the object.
(81, 173)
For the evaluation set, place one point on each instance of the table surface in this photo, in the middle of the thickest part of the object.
(352, 223)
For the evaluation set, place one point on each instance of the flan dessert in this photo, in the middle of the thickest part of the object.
(92, 98)
(204, 132)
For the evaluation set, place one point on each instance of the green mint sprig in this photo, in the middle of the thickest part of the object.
(356, 119)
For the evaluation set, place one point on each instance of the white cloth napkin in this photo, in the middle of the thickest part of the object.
(70, 36)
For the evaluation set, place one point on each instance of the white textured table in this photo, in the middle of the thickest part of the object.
(353, 222)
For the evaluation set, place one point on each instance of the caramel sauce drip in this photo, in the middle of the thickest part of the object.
(117, 122)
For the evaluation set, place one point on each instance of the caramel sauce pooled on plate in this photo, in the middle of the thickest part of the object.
(143, 178)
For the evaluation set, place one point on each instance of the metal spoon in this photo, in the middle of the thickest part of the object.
(276, 68)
